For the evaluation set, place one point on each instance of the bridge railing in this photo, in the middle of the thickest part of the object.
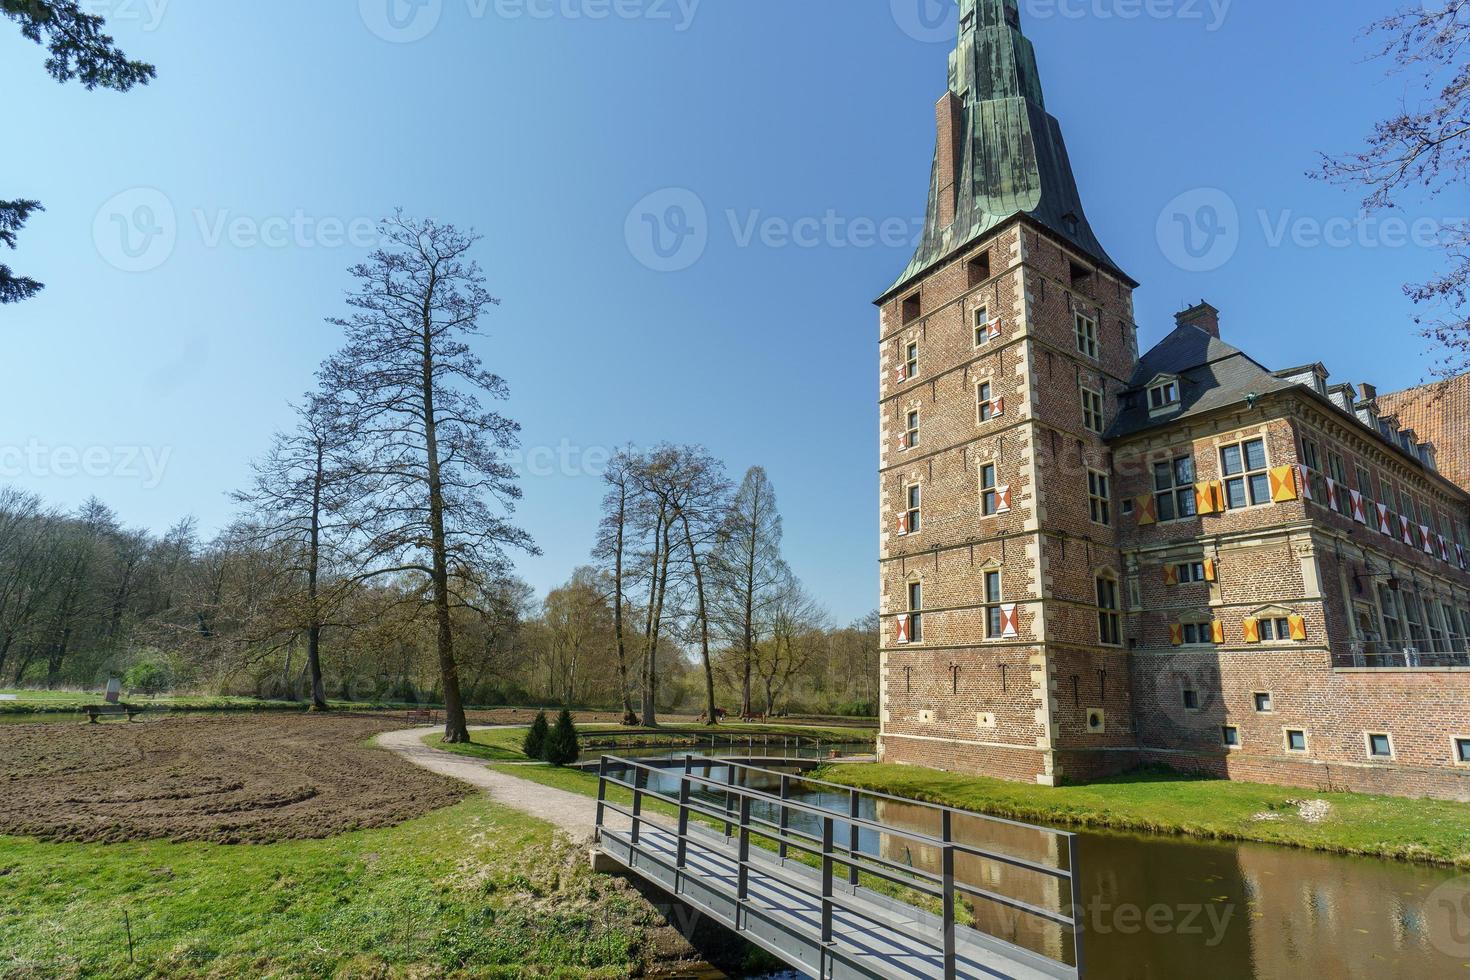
(837, 850)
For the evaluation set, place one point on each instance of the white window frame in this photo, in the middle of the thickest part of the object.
(911, 422)
(981, 324)
(1100, 498)
(1092, 409)
(1087, 344)
(984, 411)
(914, 512)
(1168, 392)
(911, 359)
(1247, 474)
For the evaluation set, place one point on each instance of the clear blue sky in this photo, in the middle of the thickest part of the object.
(543, 125)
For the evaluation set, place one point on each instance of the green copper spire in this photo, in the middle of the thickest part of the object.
(1000, 153)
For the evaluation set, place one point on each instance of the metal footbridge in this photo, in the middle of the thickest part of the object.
(840, 883)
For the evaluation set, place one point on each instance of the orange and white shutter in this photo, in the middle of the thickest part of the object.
(1298, 626)
(997, 407)
(1252, 630)
(902, 628)
(1176, 634)
(1003, 500)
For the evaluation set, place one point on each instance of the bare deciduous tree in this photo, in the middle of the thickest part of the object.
(748, 571)
(411, 388)
(1424, 148)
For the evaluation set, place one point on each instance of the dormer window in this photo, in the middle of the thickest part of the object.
(1162, 395)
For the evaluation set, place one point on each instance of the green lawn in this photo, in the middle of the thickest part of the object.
(1169, 803)
(504, 744)
(474, 890)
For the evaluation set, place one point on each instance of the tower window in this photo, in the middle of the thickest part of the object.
(911, 430)
(1191, 699)
(1080, 273)
(1099, 498)
(1231, 736)
(1174, 489)
(979, 269)
(913, 507)
(982, 326)
(1092, 410)
(911, 361)
(911, 308)
(916, 607)
(989, 497)
(1296, 740)
(1462, 750)
(1086, 335)
(994, 627)
(1264, 703)
(1109, 620)
(986, 403)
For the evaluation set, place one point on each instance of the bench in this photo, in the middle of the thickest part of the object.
(424, 716)
(94, 712)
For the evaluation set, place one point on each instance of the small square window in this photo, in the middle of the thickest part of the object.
(1191, 700)
(1230, 735)
(911, 308)
(1296, 740)
(1264, 703)
(1462, 750)
(1380, 746)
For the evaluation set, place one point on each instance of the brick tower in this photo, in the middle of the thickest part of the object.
(1003, 348)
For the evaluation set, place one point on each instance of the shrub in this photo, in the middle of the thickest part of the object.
(535, 744)
(561, 747)
(149, 676)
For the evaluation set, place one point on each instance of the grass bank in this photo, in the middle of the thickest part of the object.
(473, 890)
(504, 744)
(1162, 802)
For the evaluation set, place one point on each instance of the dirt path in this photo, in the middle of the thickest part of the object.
(574, 814)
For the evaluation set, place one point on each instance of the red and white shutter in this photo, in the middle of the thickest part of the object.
(997, 407)
(903, 441)
(1010, 621)
(901, 373)
(1444, 548)
(1305, 475)
(1408, 530)
(1460, 554)
(1427, 538)
(1331, 493)
(903, 524)
(1385, 520)
(994, 329)
(902, 625)
(1360, 510)
(1003, 500)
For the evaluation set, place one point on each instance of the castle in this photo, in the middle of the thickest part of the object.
(1094, 559)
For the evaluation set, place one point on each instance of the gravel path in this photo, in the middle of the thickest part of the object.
(574, 814)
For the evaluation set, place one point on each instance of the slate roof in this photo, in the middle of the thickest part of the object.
(1212, 375)
(1013, 160)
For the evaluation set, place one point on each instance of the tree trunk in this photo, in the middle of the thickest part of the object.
(456, 729)
(711, 713)
(314, 629)
(656, 608)
(629, 718)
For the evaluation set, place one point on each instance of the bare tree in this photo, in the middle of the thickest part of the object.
(303, 495)
(748, 571)
(796, 624)
(411, 388)
(611, 550)
(1424, 148)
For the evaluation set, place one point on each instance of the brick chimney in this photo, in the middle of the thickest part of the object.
(1204, 316)
(949, 117)
(1367, 392)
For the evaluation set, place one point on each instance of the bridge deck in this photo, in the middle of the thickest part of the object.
(781, 906)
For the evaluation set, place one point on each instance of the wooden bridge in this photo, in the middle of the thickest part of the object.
(836, 891)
